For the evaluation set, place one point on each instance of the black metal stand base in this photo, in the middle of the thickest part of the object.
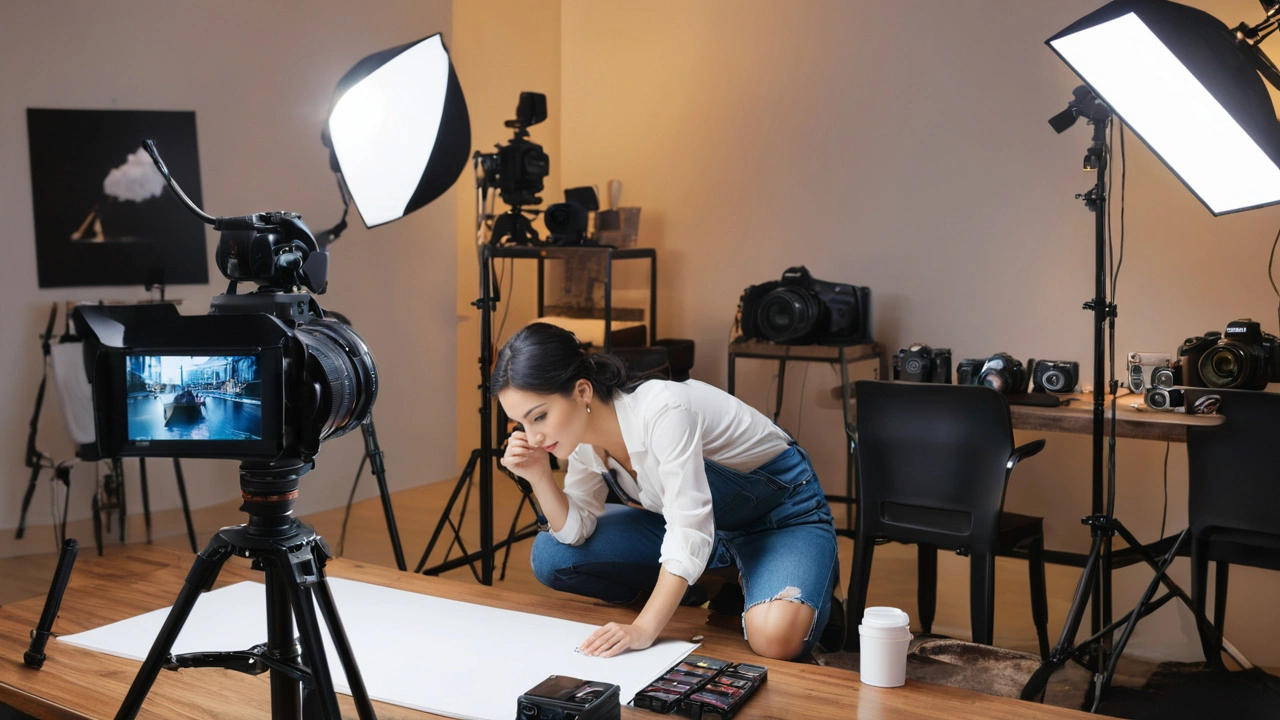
(293, 557)
(485, 574)
(1094, 652)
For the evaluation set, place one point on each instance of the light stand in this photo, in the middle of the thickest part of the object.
(1095, 579)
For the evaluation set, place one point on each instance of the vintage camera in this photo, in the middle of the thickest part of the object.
(1244, 357)
(967, 371)
(921, 363)
(1165, 399)
(265, 376)
(801, 310)
(561, 697)
(1152, 369)
(1054, 376)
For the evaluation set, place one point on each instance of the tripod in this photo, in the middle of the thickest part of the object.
(482, 457)
(293, 557)
(1095, 579)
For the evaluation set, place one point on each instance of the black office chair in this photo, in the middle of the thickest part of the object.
(933, 463)
(1234, 504)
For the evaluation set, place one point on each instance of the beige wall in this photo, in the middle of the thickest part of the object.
(903, 146)
(502, 47)
(259, 77)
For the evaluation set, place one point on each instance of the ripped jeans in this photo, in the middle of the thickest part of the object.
(773, 523)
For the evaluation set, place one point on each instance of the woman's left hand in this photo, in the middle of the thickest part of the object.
(614, 638)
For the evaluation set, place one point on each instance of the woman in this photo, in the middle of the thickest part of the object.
(708, 481)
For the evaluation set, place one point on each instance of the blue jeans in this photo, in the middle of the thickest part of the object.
(773, 523)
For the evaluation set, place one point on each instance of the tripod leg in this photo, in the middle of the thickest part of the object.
(205, 570)
(304, 612)
(286, 695)
(463, 479)
(1065, 648)
(96, 509)
(26, 501)
(146, 496)
(374, 453)
(186, 508)
(324, 598)
(117, 469)
(511, 537)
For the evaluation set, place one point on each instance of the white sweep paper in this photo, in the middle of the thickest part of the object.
(427, 653)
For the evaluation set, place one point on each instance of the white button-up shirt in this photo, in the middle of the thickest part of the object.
(669, 429)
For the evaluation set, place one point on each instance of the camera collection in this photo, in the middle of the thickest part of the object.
(1001, 371)
(516, 171)
(1242, 357)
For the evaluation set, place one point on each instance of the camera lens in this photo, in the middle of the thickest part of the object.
(1162, 377)
(789, 315)
(1226, 365)
(341, 368)
(1053, 380)
(1157, 400)
(915, 366)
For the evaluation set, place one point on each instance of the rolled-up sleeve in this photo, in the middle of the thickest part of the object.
(676, 442)
(586, 493)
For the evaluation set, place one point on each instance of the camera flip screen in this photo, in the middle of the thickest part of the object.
(186, 397)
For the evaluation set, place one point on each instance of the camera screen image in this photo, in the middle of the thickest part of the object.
(185, 397)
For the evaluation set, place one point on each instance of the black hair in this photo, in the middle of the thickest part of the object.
(548, 360)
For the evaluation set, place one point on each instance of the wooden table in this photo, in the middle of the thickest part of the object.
(1143, 424)
(78, 683)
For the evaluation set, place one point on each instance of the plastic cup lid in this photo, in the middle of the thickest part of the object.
(885, 617)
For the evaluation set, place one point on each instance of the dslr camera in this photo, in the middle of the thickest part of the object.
(517, 171)
(1001, 371)
(1054, 376)
(1244, 358)
(802, 310)
(921, 363)
(264, 378)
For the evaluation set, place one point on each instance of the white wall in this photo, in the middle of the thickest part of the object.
(259, 77)
(904, 146)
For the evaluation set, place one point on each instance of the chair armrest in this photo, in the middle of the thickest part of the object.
(1023, 452)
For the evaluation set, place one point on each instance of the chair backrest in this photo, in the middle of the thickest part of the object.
(1234, 468)
(932, 462)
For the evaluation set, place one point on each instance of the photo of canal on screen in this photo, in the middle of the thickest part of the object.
(173, 397)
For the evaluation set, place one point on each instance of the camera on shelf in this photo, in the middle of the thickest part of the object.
(567, 222)
(1054, 376)
(265, 376)
(1153, 369)
(1170, 399)
(1244, 357)
(1001, 371)
(517, 171)
(802, 310)
(921, 363)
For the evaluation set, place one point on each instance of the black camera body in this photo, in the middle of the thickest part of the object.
(1058, 377)
(1194, 348)
(802, 310)
(265, 377)
(1244, 358)
(1001, 371)
(561, 697)
(967, 371)
(518, 168)
(921, 363)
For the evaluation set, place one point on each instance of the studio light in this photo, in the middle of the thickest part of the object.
(1190, 88)
(398, 129)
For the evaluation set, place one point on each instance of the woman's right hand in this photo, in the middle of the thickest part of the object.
(528, 460)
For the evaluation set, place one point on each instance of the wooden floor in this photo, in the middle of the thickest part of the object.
(417, 511)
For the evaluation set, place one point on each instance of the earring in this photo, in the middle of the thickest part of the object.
(588, 408)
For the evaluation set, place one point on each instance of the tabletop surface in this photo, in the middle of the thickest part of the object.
(79, 683)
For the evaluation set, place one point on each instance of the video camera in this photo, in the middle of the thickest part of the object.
(265, 376)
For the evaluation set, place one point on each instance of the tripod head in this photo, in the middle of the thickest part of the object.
(269, 493)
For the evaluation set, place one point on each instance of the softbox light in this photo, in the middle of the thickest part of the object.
(398, 129)
(1180, 80)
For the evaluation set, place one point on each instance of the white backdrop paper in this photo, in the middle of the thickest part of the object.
(441, 656)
